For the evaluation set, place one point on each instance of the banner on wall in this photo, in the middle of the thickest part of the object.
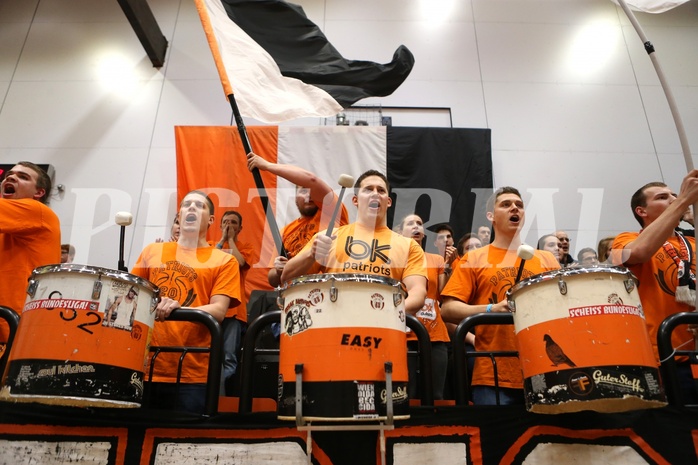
(442, 174)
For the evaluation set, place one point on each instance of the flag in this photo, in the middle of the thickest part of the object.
(280, 66)
(652, 6)
(442, 174)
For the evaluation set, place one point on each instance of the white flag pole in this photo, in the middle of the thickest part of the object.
(649, 48)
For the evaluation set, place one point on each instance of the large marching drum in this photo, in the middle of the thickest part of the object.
(342, 328)
(583, 342)
(83, 338)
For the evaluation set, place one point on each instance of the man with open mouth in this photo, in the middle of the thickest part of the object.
(190, 273)
(30, 234)
(479, 284)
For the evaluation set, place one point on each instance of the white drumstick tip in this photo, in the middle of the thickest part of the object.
(346, 180)
(123, 218)
(525, 252)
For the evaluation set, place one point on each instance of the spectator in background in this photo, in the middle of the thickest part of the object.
(587, 257)
(444, 244)
(67, 253)
(484, 233)
(430, 315)
(604, 249)
(469, 241)
(565, 257)
(235, 322)
(550, 243)
(174, 231)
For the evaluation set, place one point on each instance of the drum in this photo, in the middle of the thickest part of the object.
(343, 328)
(583, 342)
(83, 338)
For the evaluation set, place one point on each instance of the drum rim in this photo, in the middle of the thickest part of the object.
(95, 270)
(344, 277)
(570, 271)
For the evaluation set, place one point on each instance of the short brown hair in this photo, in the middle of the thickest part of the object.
(639, 199)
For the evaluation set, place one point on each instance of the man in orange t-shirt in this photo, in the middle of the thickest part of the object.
(30, 234)
(190, 273)
(315, 200)
(479, 283)
(663, 260)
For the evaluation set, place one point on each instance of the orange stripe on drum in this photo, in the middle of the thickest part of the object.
(344, 354)
(584, 342)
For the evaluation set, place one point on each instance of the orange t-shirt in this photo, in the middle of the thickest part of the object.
(30, 236)
(298, 232)
(430, 314)
(367, 251)
(192, 277)
(657, 288)
(483, 276)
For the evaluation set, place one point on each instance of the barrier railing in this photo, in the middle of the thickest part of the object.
(250, 352)
(12, 319)
(214, 350)
(667, 354)
(460, 355)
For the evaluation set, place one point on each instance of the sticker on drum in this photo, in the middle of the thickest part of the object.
(343, 328)
(583, 342)
(83, 338)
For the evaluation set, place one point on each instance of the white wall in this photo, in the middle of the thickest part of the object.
(578, 118)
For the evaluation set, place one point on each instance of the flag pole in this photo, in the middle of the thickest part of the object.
(649, 48)
(242, 130)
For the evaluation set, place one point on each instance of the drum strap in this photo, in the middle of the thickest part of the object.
(686, 286)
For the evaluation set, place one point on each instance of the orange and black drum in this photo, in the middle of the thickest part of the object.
(83, 338)
(583, 342)
(343, 328)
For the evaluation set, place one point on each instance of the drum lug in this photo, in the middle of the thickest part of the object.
(280, 301)
(31, 289)
(97, 289)
(333, 292)
(629, 285)
(397, 299)
(562, 285)
(512, 305)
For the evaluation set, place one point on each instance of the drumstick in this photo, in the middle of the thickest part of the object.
(525, 252)
(345, 181)
(123, 219)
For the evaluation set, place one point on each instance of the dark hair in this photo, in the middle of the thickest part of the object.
(442, 227)
(43, 181)
(368, 173)
(541, 241)
(501, 191)
(68, 248)
(585, 250)
(461, 242)
(639, 199)
(232, 212)
(209, 202)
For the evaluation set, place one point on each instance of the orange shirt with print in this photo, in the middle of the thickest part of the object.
(658, 280)
(483, 276)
